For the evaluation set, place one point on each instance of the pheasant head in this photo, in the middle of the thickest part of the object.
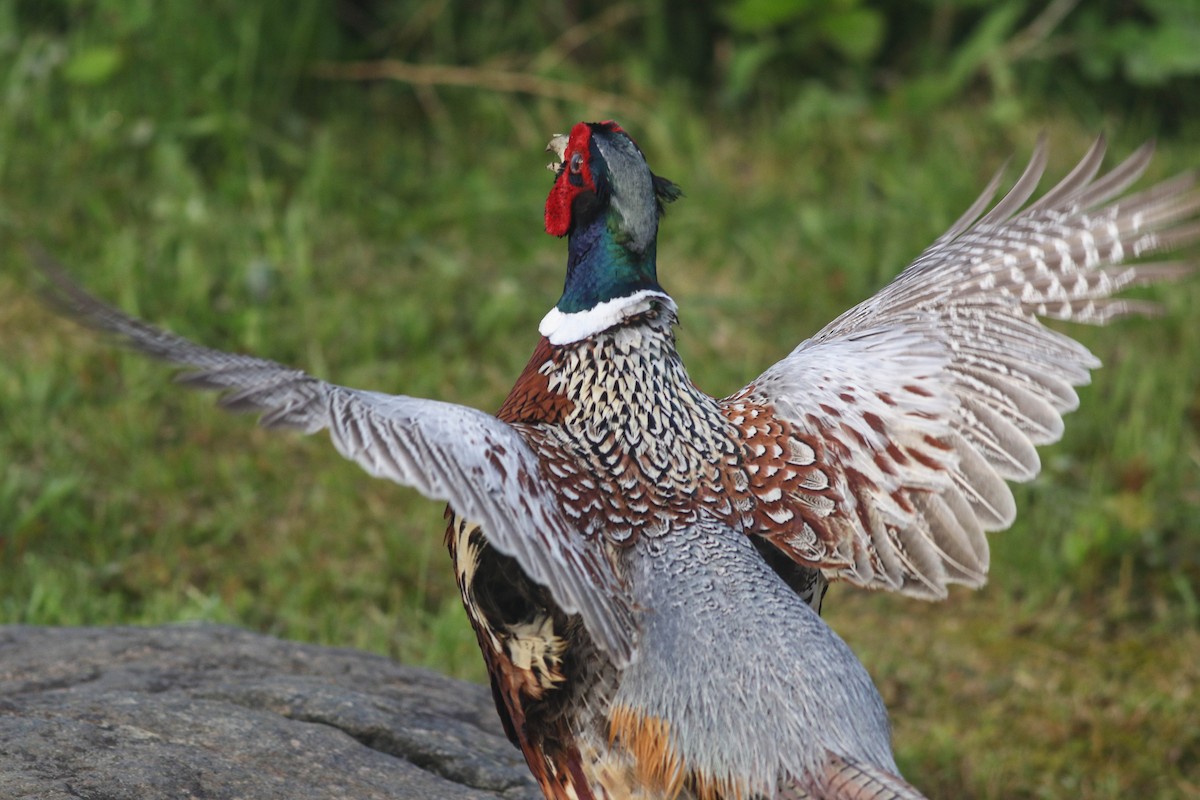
(608, 203)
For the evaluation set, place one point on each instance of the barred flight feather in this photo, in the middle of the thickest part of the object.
(447, 452)
(991, 382)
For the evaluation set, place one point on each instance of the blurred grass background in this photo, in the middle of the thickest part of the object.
(355, 187)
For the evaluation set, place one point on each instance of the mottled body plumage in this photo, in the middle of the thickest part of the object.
(655, 485)
(641, 561)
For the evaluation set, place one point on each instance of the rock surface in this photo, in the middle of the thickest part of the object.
(203, 711)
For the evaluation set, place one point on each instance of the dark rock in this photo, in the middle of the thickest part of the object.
(202, 711)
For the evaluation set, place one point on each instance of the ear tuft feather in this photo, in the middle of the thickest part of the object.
(665, 191)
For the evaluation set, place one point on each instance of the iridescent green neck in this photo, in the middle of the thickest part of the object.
(601, 267)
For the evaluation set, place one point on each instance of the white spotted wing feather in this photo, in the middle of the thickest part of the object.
(932, 394)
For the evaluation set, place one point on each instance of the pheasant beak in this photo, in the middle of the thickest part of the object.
(558, 146)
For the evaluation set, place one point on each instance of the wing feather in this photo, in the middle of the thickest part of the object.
(1021, 191)
(473, 461)
(928, 397)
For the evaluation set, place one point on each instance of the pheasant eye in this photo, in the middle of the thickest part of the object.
(576, 163)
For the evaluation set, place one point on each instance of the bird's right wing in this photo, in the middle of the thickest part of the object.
(904, 417)
(473, 461)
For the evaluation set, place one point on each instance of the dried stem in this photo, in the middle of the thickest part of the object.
(477, 78)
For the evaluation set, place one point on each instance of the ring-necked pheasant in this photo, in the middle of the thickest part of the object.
(641, 561)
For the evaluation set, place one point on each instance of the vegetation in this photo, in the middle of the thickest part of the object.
(255, 177)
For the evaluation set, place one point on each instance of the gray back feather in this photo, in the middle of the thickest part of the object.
(755, 685)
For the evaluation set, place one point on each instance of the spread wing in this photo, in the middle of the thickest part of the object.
(915, 407)
(473, 461)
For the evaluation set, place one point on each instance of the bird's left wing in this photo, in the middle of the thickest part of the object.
(448, 452)
(895, 428)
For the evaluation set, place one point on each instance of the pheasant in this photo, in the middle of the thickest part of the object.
(643, 564)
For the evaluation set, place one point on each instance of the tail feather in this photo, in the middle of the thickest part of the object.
(845, 778)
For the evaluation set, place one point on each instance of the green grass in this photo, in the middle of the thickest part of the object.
(344, 229)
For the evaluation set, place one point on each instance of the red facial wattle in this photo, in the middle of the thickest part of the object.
(570, 184)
